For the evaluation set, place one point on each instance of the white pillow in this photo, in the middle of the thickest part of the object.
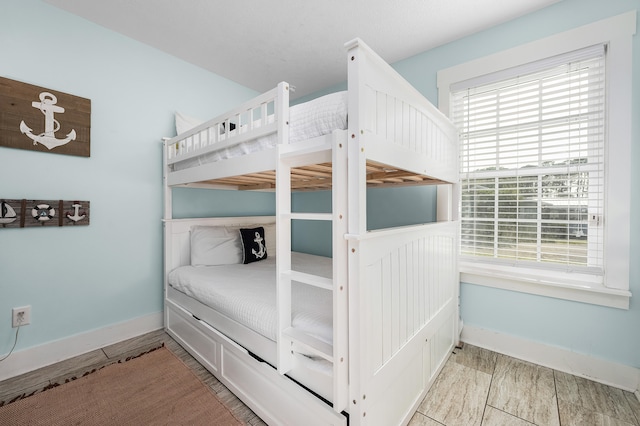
(270, 237)
(185, 123)
(215, 245)
(318, 117)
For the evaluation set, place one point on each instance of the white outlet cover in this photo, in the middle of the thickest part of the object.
(26, 318)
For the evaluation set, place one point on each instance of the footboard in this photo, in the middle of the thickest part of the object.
(394, 123)
(402, 316)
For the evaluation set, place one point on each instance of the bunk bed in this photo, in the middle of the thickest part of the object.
(380, 317)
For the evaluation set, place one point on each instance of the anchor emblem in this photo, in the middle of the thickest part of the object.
(48, 107)
(259, 254)
(76, 216)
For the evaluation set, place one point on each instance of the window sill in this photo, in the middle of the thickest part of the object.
(582, 288)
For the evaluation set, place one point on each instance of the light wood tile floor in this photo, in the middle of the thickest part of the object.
(480, 387)
(476, 387)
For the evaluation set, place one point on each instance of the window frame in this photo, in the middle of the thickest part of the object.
(617, 33)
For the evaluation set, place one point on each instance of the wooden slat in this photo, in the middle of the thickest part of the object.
(318, 177)
(305, 172)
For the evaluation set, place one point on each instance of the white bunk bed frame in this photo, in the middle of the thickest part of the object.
(395, 291)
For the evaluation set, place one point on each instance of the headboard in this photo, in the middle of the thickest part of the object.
(177, 243)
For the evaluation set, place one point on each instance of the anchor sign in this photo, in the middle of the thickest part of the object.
(48, 107)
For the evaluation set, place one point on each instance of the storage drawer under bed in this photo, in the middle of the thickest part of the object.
(203, 342)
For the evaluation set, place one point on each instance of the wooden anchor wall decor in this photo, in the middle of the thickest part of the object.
(31, 116)
(26, 213)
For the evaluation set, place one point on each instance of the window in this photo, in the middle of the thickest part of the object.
(532, 164)
(538, 190)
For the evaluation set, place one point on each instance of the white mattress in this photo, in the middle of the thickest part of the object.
(247, 294)
(308, 120)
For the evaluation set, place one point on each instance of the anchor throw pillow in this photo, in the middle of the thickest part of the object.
(253, 244)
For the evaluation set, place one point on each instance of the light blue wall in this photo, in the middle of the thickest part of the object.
(607, 333)
(386, 207)
(194, 202)
(84, 278)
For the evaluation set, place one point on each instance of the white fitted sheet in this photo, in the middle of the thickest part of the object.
(247, 294)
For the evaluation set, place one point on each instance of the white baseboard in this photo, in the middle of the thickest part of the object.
(607, 372)
(49, 353)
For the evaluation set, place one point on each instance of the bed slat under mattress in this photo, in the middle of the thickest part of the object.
(318, 177)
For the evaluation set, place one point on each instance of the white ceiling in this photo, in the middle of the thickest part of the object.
(259, 43)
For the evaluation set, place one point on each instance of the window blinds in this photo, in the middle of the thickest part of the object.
(532, 162)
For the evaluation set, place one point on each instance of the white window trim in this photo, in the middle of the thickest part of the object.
(617, 32)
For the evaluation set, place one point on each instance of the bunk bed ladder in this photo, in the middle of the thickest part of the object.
(289, 337)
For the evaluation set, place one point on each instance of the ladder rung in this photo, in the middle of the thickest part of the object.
(309, 216)
(310, 279)
(313, 345)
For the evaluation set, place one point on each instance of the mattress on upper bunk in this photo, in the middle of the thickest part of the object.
(246, 293)
(307, 120)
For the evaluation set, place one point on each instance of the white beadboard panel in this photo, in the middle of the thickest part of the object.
(408, 287)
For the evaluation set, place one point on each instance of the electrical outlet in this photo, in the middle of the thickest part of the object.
(20, 316)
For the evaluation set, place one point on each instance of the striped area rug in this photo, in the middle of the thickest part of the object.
(153, 389)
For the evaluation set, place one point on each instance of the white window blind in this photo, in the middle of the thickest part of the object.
(532, 163)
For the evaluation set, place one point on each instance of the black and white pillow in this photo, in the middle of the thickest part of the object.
(253, 244)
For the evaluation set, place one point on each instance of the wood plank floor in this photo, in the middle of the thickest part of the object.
(476, 387)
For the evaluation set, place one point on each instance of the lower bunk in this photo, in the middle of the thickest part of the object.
(276, 399)
(402, 325)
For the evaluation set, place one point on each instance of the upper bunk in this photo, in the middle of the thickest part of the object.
(402, 138)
